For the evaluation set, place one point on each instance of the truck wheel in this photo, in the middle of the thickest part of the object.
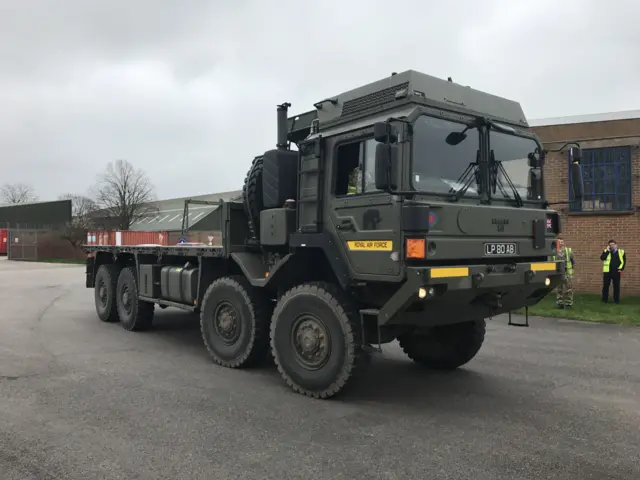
(134, 314)
(445, 347)
(235, 322)
(315, 339)
(252, 193)
(104, 291)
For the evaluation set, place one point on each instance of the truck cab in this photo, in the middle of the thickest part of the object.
(427, 198)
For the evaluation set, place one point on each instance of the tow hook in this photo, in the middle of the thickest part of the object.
(494, 300)
(491, 300)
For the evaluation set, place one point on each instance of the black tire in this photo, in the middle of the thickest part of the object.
(104, 290)
(234, 322)
(445, 347)
(252, 195)
(325, 311)
(135, 315)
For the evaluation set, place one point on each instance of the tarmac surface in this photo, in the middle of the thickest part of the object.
(81, 399)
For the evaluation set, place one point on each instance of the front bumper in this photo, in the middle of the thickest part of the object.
(466, 292)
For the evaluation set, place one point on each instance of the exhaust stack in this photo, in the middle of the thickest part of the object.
(282, 126)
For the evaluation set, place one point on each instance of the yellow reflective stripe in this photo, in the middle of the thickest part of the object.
(446, 272)
(543, 267)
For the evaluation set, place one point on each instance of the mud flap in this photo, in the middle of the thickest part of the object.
(89, 271)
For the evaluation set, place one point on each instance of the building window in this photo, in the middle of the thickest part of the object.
(606, 173)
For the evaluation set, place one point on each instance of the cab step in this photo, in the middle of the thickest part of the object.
(370, 312)
(518, 324)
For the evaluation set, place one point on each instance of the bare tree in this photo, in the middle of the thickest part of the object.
(17, 193)
(81, 220)
(82, 208)
(123, 194)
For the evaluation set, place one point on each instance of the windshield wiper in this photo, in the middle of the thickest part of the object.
(496, 169)
(466, 179)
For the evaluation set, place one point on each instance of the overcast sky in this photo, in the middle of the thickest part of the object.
(186, 90)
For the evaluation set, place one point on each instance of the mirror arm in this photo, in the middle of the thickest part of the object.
(396, 119)
(575, 144)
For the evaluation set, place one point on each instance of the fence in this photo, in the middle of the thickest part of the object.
(41, 244)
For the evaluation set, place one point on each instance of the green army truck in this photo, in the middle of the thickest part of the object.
(413, 209)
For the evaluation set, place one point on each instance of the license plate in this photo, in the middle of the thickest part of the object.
(500, 249)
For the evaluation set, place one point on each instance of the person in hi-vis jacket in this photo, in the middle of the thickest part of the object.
(614, 261)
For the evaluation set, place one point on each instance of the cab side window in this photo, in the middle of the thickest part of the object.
(355, 169)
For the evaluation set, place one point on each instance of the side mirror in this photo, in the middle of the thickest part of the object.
(384, 132)
(455, 138)
(536, 159)
(380, 132)
(386, 166)
(535, 184)
(576, 181)
(575, 156)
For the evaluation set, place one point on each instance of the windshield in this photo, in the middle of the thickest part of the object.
(512, 152)
(437, 165)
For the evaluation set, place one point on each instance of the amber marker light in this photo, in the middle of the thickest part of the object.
(415, 248)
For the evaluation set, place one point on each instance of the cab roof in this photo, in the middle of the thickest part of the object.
(408, 87)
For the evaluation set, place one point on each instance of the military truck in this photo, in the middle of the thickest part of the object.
(444, 225)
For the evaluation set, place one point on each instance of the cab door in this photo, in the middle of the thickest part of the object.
(365, 222)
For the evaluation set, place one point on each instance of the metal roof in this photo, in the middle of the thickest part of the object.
(589, 118)
(39, 202)
(210, 197)
(169, 213)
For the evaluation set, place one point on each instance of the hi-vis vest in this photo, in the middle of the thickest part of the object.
(353, 181)
(567, 258)
(607, 261)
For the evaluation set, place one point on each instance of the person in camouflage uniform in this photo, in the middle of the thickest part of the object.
(564, 291)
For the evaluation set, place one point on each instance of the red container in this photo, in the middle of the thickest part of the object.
(132, 237)
(106, 238)
(100, 238)
(4, 241)
(127, 237)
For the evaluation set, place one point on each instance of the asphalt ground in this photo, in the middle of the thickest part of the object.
(81, 399)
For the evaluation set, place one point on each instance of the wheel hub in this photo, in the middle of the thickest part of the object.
(126, 299)
(311, 341)
(226, 323)
(102, 293)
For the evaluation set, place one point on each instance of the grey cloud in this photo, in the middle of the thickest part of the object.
(187, 90)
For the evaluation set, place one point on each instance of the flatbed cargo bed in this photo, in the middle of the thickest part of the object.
(175, 250)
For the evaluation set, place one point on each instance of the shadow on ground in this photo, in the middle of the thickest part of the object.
(390, 379)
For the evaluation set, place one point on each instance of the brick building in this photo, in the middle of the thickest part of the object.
(610, 207)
